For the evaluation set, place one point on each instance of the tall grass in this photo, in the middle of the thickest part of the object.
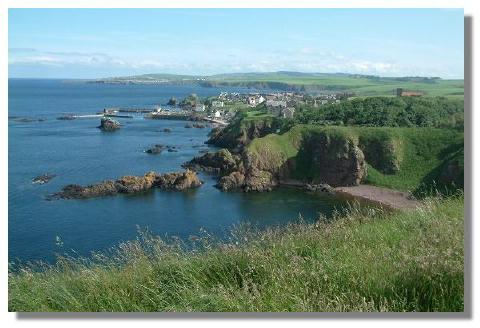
(361, 261)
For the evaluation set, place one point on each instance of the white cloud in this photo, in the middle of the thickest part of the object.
(304, 60)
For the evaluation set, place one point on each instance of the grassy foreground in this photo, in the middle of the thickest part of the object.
(370, 261)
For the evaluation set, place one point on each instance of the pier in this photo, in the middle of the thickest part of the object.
(155, 114)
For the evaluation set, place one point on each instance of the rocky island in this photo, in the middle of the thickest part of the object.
(107, 124)
(176, 181)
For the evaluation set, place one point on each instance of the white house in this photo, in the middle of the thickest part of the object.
(217, 114)
(251, 101)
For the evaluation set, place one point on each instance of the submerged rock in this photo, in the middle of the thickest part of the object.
(25, 119)
(44, 178)
(322, 187)
(108, 124)
(132, 184)
(188, 125)
(157, 149)
(167, 130)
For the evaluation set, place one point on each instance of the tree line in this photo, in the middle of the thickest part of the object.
(438, 112)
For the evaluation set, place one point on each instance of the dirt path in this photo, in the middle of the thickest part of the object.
(392, 198)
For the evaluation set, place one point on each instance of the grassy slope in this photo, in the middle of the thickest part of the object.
(361, 85)
(358, 85)
(422, 151)
(360, 262)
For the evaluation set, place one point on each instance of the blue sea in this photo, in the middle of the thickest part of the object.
(77, 152)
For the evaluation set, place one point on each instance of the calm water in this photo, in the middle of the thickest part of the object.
(80, 153)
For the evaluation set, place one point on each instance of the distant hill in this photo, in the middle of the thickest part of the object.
(361, 85)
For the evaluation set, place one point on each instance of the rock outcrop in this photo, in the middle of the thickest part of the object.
(221, 162)
(132, 184)
(233, 181)
(322, 160)
(239, 133)
(334, 160)
(108, 124)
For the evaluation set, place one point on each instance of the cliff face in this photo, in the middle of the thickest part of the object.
(418, 160)
(333, 159)
(323, 157)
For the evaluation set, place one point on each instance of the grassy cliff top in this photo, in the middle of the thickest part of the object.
(420, 153)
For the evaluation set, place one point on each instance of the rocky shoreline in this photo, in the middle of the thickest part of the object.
(176, 181)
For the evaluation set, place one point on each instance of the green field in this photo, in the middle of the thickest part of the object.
(361, 85)
(362, 261)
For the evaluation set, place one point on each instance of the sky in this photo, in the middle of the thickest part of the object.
(95, 43)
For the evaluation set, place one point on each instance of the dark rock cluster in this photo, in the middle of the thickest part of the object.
(158, 148)
(132, 184)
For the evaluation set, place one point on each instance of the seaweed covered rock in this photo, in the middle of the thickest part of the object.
(132, 184)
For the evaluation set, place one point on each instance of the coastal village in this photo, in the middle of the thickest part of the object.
(221, 109)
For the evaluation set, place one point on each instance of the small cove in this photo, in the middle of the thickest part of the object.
(77, 152)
